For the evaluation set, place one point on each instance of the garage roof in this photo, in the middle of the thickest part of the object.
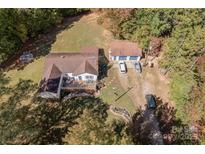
(125, 48)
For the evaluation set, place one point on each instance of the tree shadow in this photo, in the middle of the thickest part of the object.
(103, 64)
(137, 133)
(47, 121)
(39, 46)
(4, 81)
(14, 128)
(173, 130)
(58, 117)
(103, 68)
(41, 121)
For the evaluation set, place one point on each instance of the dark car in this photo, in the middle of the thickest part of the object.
(151, 102)
(138, 67)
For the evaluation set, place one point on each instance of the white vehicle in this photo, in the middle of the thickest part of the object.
(122, 67)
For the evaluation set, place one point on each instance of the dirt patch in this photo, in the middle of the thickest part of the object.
(201, 66)
(148, 82)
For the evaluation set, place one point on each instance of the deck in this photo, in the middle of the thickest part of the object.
(81, 85)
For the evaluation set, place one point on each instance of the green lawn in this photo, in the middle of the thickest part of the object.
(112, 91)
(33, 72)
(84, 32)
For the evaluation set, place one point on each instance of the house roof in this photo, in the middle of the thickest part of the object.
(85, 67)
(77, 63)
(52, 72)
(125, 48)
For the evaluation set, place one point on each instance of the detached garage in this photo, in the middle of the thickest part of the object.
(124, 50)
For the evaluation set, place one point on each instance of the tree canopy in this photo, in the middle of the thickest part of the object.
(182, 35)
(19, 25)
(28, 119)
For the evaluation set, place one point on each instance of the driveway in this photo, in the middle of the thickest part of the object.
(152, 125)
(149, 81)
(147, 128)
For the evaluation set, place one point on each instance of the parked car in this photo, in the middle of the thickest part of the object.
(122, 67)
(138, 67)
(151, 102)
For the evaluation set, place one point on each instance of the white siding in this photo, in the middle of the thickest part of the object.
(83, 76)
(127, 58)
(70, 74)
(87, 74)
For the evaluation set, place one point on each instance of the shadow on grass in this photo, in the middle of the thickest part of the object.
(103, 68)
(39, 46)
(103, 64)
(14, 126)
(40, 121)
(173, 130)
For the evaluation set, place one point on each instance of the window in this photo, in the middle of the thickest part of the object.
(89, 77)
(115, 57)
(133, 57)
(80, 77)
(122, 57)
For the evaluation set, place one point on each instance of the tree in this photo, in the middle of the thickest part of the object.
(120, 133)
(9, 40)
(16, 126)
(90, 129)
(27, 119)
(113, 18)
(19, 25)
(182, 34)
(162, 22)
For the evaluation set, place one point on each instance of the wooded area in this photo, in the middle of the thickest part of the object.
(19, 25)
(182, 42)
(182, 32)
(76, 121)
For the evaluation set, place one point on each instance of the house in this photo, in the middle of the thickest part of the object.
(69, 72)
(124, 50)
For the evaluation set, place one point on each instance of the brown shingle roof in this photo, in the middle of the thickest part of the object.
(85, 67)
(76, 63)
(125, 48)
(53, 72)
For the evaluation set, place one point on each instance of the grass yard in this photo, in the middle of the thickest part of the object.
(32, 71)
(85, 32)
(82, 33)
(114, 90)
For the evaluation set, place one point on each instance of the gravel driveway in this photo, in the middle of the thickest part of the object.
(148, 82)
(151, 124)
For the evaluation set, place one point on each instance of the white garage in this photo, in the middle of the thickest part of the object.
(124, 50)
